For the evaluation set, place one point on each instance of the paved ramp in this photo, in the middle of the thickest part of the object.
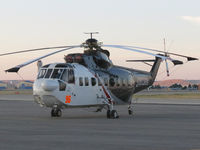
(24, 125)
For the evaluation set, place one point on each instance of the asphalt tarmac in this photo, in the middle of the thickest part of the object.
(24, 125)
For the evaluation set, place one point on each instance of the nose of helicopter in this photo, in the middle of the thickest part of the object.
(49, 85)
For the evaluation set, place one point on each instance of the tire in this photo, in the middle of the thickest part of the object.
(59, 113)
(53, 114)
(108, 114)
(130, 112)
(56, 112)
(114, 114)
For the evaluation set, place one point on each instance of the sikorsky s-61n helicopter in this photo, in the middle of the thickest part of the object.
(90, 79)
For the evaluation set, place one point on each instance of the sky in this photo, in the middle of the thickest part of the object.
(27, 24)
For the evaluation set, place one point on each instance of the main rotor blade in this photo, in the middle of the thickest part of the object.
(136, 50)
(16, 68)
(143, 60)
(175, 62)
(155, 50)
(32, 50)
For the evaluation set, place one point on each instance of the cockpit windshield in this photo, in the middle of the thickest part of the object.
(42, 73)
(66, 75)
(49, 72)
(57, 73)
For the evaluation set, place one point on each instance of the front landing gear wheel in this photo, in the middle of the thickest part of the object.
(56, 112)
(59, 113)
(114, 114)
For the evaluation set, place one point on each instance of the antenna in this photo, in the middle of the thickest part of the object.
(164, 46)
(91, 33)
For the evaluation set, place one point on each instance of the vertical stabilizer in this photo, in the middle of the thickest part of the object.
(155, 67)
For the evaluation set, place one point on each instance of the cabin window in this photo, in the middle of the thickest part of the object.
(80, 81)
(112, 82)
(93, 81)
(86, 81)
(123, 82)
(42, 73)
(56, 73)
(71, 78)
(99, 82)
(118, 82)
(48, 74)
(106, 81)
(129, 82)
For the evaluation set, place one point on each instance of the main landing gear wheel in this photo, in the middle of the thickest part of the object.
(130, 109)
(112, 114)
(130, 112)
(56, 112)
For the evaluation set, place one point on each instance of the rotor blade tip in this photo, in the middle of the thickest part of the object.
(15, 69)
(191, 58)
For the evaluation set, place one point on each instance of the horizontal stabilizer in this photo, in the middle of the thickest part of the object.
(177, 62)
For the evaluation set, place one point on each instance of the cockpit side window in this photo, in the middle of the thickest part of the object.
(56, 73)
(42, 73)
(71, 78)
(64, 76)
(68, 76)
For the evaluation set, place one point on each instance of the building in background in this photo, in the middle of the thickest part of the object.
(3, 85)
(25, 85)
(199, 87)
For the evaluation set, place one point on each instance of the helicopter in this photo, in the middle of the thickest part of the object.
(90, 79)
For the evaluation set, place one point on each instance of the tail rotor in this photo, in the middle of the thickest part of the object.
(166, 55)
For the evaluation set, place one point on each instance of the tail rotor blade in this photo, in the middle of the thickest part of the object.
(166, 55)
(167, 67)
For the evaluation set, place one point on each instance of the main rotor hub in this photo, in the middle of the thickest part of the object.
(91, 43)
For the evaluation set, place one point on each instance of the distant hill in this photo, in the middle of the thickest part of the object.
(194, 81)
(168, 83)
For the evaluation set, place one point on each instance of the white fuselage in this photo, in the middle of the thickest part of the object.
(74, 86)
